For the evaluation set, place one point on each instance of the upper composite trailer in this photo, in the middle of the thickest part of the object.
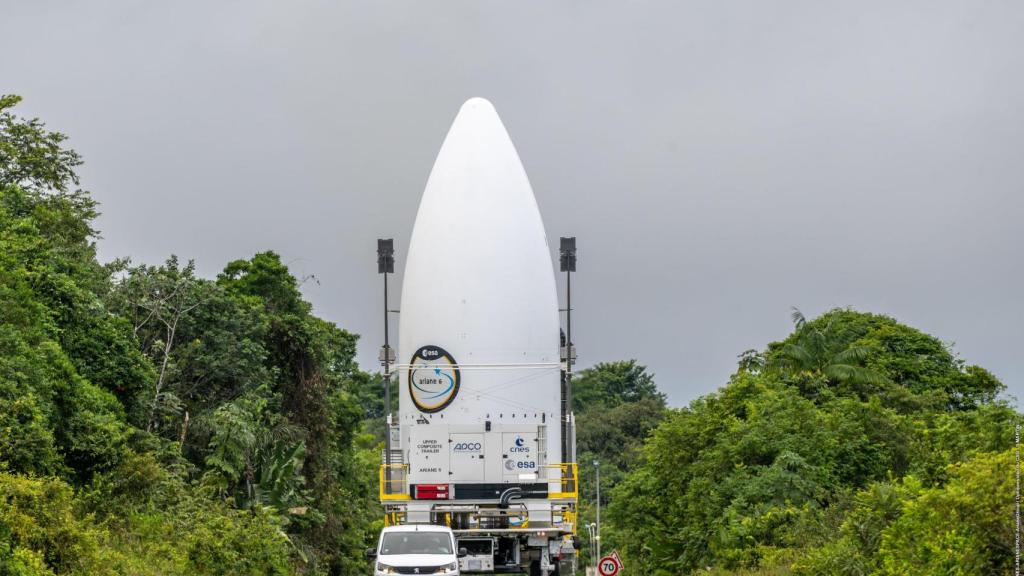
(477, 442)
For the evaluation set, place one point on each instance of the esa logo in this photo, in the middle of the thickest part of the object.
(513, 465)
(467, 447)
(434, 379)
(519, 445)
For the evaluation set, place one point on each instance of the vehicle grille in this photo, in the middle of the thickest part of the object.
(417, 569)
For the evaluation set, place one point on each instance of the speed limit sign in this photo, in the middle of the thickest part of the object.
(608, 566)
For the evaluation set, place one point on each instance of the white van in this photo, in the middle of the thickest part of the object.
(416, 549)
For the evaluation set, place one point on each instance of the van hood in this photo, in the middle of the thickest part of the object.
(422, 560)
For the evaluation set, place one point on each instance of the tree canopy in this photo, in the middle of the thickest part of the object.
(156, 422)
(848, 427)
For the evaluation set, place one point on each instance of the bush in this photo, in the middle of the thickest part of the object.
(38, 529)
(962, 528)
(238, 543)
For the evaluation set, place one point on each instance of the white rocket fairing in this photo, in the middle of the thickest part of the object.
(478, 356)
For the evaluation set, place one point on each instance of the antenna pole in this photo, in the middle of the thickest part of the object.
(570, 451)
(568, 331)
(387, 367)
(386, 265)
(567, 264)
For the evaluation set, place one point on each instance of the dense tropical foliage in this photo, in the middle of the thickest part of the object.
(156, 422)
(856, 446)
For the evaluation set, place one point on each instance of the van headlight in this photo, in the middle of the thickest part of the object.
(449, 568)
(385, 569)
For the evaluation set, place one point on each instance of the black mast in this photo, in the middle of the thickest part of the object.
(567, 264)
(385, 266)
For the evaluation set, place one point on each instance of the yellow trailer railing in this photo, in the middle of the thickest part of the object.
(394, 482)
(568, 477)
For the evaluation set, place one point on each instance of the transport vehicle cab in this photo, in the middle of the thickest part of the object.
(416, 549)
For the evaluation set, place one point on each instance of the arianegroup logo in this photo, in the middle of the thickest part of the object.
(433, 379)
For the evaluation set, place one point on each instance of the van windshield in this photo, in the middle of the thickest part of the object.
(416, 543)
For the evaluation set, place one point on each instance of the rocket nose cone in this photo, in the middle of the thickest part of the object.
(478, 122)
(476, 160)
(477, 103)
(478, 282)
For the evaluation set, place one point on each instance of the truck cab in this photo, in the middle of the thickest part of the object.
(416, 549)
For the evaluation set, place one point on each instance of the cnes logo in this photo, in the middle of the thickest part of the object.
(519, 445)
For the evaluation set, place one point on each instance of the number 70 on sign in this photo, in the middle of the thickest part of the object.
(609, 565)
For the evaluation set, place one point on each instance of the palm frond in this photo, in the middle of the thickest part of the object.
(799, 321)
(853, 374)
(797, 357)
(852, 355)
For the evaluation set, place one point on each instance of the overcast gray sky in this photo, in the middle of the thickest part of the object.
(719, 162)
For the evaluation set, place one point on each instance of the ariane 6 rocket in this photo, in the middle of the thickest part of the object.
(482, 413)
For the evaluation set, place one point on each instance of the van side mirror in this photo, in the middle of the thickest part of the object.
(463, 552)
(371, 553)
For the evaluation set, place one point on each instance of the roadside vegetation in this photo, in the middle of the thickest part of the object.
(153, 422)
(856, 446)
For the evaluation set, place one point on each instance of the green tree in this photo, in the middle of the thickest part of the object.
(617, 404)
(32, 157)
(193, 426)
(773, 472)
(855, 550)
(313, 367)
(964, 527)
(826, 350)
(40, 533)
(69, 368)
(51, 407)
(256, 458)
(207, 345)
(608, 384)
